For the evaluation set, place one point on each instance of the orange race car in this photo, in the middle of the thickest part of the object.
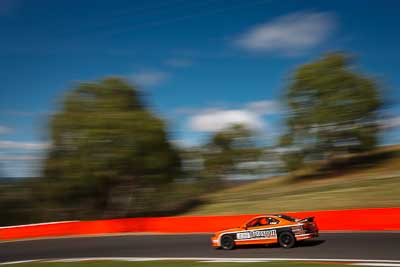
(267, 229)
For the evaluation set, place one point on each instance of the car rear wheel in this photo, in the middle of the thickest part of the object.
(287, 240)
(227, 242)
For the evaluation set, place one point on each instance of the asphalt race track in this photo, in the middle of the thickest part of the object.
(369, 246)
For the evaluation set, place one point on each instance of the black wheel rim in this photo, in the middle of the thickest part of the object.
(286, 239)
(226, 243)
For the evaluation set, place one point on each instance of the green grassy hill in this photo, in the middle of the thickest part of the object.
(368, 180)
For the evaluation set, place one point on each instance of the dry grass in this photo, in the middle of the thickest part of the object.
(376, 184)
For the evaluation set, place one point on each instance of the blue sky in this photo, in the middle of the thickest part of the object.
(201, 64)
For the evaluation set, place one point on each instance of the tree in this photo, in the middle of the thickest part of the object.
(227, 150)
(332, 109)
(109, 153)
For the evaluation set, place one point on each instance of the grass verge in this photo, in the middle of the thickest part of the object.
(376, 184)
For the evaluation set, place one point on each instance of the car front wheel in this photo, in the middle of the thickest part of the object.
(227, 242)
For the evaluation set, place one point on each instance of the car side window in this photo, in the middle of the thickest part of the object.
(252, 223)
(273, 221)
(263, 221)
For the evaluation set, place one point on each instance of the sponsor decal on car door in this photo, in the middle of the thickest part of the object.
(256, 234)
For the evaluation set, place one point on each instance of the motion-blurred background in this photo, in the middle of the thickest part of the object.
(113, 109)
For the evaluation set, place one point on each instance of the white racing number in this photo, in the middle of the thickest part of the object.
(256, 234)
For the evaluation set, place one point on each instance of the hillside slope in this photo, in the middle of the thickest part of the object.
(376, 184)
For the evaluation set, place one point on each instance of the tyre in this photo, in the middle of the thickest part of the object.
(227, 242)
(287, 240)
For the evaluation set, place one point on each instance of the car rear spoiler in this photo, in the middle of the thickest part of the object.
(308, 219)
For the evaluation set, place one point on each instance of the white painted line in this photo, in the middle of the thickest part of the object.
(17, 262)
(107, 259)
(35, 224)
(377, 264)
(358, 262)
(354, 261)
(233, 261)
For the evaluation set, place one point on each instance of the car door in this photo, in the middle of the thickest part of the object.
(260, 232)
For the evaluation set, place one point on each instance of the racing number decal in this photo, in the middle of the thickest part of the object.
(256, 234)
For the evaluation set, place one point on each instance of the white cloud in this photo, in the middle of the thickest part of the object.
(179, 62)
(150, 78)
(184, 143)
(265, 107)
(5, 130)
(23, 145)
(390, 123)
(291, 33)
(216, 120)
(262, 107)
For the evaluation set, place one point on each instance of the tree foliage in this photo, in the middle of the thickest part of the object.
(332, 109)
(109, 152)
